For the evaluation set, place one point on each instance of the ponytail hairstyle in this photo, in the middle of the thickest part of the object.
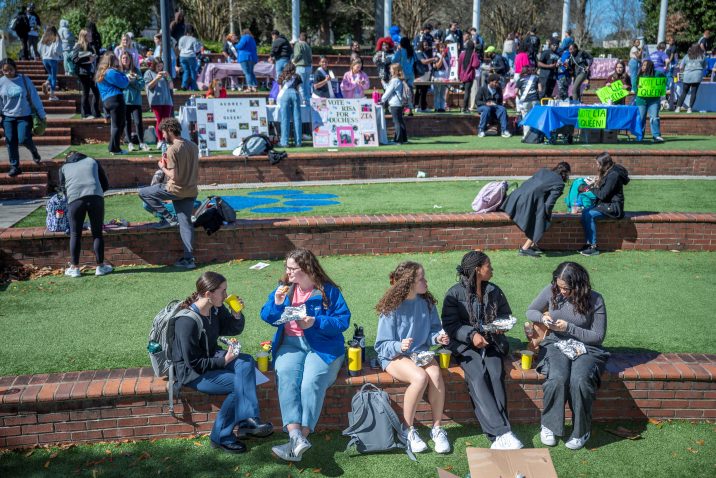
(577, 279)
(309, 265)
(467, 276)
(402, 281)
(606, 163)
(207, 282)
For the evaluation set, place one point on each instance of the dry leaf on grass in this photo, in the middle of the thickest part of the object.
(693, 450)
(700, 442)
(656, 423)
(197, 443)
(316, 470)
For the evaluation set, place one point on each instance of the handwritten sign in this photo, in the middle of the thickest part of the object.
(613, 92)
(592, 118)
(344, 123)
(651, 87)
(223, 123)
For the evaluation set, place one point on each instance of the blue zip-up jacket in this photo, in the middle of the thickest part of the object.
(401, 57)
(133, 92)
(326, 335)
(113, 84)
(246, 49)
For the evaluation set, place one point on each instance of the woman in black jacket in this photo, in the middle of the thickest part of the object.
(468, 306)
(530, 206)
(200, 364)
(84, 56)
(609, 189)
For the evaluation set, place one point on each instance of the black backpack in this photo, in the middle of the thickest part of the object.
(534, 136)
(213, 213)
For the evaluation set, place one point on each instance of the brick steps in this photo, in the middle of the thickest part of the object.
(27, 177)
(23, 191)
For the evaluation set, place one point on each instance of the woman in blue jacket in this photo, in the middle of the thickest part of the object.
(248, 57)
(308, 351)
(111, 83)
(405, 57)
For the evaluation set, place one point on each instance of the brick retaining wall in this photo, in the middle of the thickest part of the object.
(327, 235)
(119, 404)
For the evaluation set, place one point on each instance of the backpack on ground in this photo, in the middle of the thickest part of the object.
(213, 213)
(373, 424)
(161, 338)
(57, 214)
(490, 197)
(256, 145)
(534, 136)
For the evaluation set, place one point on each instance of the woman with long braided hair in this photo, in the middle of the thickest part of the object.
(470, 304)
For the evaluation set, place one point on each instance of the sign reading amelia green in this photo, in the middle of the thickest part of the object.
(652, 87)
(614, 92)
(592, 118)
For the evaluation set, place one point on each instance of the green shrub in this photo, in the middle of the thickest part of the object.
(147, 43)
(77, 19)
(112, 28)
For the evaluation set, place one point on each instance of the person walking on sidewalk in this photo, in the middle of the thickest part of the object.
(180, 164)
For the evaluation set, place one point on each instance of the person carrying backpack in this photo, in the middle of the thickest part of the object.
(409, 324)
(21, 27)
(395, 96)
(200, 363)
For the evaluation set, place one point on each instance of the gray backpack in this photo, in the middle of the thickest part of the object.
(373, 424)
(256, 145)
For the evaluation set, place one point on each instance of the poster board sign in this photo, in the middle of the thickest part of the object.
(452, 48)
(343, 123)
(613, 92)
(651, 87)
(223, 123)
(592, 118)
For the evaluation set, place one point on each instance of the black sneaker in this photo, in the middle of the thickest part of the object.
(14, 172)
(584, 248)
(527, 252)
(36, 158)
(590, 251)
(537, 250)
(185, 263)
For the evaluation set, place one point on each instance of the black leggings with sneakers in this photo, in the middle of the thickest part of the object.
(78, 209)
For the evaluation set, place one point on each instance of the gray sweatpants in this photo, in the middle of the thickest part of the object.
(573, 381)
(155, 196)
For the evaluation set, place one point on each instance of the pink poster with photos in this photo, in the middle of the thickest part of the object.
(343, 123)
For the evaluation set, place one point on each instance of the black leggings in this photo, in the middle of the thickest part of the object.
(133, 114)
(694, 87)
(421, 96)
(401, 132)
(79, 208)
(466, 99)
(116, 108)
(88, 85)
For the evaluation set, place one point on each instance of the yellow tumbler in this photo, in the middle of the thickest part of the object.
(262, 361)
(234, 303)
(354, 361)
(526, 359)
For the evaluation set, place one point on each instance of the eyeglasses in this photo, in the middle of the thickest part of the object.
(292, 269)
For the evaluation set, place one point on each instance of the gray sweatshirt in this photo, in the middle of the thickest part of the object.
(13, 97)
(84, 177)
(53, 51)
(411, 319)
(393, 93)
(589, 329)
(66, 36)
(188, 47)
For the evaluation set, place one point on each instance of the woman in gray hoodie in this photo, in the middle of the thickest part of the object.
(692, 69)
(68, 42)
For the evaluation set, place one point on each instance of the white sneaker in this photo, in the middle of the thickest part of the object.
(130, 147)
(506, 134)
(73, 272)
(293, 450)
(677, 110)
(416, 444)
(160, 145)
(439, 436)
(103, 270)
(144, 146)
(689, 110)
(508, 441)
(547, 437)
(577, 443)
(481, 134)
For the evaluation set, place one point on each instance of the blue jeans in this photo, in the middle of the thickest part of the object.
(248, 68)
(652, 107)
(498, 110)
(302, 378)
(439, 96)
(589, 224)
(190, 65)
(280, 65)
(633, 72)
(51, 68)
(238, 380)
(18, 131)
(155, 196)
(290, 108)
(305, 73)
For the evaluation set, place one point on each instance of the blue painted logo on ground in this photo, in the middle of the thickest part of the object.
(282, 201)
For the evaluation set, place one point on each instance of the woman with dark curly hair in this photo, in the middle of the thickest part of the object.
(571, 355)
(468, 306)
(408, 324)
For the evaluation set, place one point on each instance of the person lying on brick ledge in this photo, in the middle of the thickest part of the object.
(308, 346)
(408, 325)
(571, 355)
(200, 363)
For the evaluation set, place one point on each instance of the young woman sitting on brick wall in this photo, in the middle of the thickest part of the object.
(572, 311)
(408, 324)
(308, 351)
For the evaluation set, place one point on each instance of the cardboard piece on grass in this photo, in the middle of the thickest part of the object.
(528, 462)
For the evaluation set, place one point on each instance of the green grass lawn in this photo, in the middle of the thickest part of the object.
(470, 142)
(656, 301)
(423, 197)
(667, 450)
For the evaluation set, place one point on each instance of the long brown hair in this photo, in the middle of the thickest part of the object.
(207, 282)
(577, 279)
(50, 36)
(129, 68)
(309, 264)
(287, 73)
(605, 164)
(402, 281)
(108, 60)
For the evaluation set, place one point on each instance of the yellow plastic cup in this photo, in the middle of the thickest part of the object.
(234, 303)
(354, 361)
(444, 356)
(526, 359)
(262, 361)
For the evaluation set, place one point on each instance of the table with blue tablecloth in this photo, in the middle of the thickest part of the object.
(550, 118)
(705, 98)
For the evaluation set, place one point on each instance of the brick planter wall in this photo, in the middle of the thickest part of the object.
(271, 238)
(117, 404)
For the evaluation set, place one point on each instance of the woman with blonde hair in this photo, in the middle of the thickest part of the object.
(111, 82)
(127, 45)
(84, 57)
(51, 53)
(396, 97)
(355, 81)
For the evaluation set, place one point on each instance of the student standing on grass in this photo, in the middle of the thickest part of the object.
(200, 364)
(468, 306)
(111, 83)
(84, 182)
(650, 105)
(308, 352)
(571, 310)
(180, 165)
(409, 323)
(530, 205)
(133, 104)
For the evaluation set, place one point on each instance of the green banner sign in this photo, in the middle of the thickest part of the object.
(592, 118)
(613, 92)
(651, 87)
